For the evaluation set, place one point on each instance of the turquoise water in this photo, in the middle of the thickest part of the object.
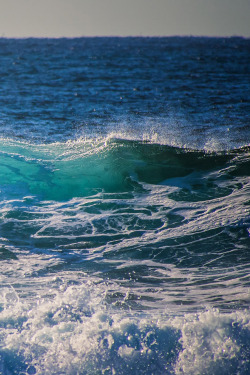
(124, 211)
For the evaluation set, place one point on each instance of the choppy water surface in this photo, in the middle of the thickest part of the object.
(124, 211)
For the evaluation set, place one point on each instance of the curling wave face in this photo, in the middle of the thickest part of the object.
(62, 171)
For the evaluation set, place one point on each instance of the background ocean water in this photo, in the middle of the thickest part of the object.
(124, 210)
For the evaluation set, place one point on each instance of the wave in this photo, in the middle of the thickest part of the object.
(61, 171)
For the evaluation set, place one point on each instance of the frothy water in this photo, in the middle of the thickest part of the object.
(73, 330)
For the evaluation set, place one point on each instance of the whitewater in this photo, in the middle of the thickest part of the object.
(124, 210)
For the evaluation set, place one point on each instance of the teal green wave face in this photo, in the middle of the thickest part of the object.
(62, 171)
(59, 171)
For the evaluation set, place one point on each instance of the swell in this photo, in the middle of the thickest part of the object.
(62, 171)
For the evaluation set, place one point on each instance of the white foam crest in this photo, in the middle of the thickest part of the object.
(170, 131)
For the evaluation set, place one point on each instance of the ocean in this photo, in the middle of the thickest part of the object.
(124, 206)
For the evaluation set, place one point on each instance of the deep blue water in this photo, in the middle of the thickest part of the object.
(124, 206)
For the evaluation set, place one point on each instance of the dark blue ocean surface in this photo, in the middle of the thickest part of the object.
(124, 206)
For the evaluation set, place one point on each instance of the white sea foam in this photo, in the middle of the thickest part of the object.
(73, 331)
